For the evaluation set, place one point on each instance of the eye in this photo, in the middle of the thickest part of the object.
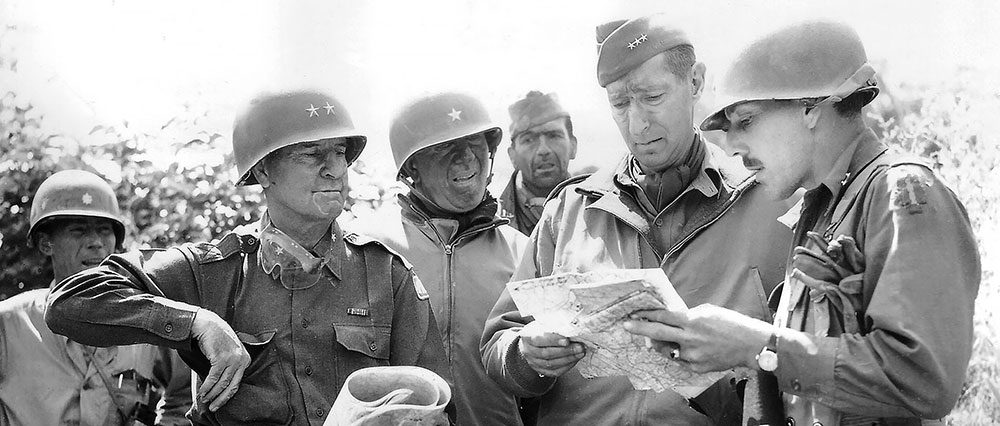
(619, 103)
(745, 122)
(654, 98)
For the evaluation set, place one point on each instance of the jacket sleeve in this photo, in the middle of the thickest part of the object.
(499, 345)
(920, 283)
(174, 379)
(148, 297)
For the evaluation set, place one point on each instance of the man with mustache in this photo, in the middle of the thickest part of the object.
(443, 145)
(666, 204)
(46, 379)
(875, 321)
(541, 145)
(273, 317)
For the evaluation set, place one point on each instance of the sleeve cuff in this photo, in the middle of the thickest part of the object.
(172, 320)
(806, 364)
(522, 374)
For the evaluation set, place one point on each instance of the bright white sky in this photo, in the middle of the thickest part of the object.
(85, 63)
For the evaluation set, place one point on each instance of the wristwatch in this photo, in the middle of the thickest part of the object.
(767, 359)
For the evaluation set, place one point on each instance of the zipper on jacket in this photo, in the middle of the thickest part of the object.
(701, 227)
(449, 251)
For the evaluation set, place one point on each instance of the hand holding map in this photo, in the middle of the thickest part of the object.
(590, 307)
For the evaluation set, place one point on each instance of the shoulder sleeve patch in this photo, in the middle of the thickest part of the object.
(360, 240)
(418, 286)
(907, 189)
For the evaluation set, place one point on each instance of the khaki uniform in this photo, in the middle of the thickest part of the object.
(365, 311)
(908, 359)
(703, 243)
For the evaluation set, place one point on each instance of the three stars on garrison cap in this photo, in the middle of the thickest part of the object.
(635, 43)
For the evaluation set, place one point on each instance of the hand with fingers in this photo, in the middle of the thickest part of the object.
(705, 338)
(549, 354)
(229, 359)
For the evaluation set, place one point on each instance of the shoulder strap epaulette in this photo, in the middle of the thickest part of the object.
(360, 240)
(231, 243)
(562, 185)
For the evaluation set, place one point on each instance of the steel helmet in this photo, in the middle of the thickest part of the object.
(816, 59)
(74, 193)
(435, 119)
(273, 121)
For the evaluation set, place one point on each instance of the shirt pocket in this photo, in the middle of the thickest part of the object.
(262, 398)
(366, 345)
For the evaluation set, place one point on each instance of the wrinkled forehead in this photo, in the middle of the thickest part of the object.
(548, 126)
(651, 75)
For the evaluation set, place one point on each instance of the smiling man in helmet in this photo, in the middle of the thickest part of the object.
(874, 324)
(447, 226)
(275, 316)
(47, 379)
(666, 204)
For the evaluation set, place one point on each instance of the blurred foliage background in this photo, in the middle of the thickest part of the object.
(175, 186)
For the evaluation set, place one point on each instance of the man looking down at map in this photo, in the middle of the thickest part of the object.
(666, 204)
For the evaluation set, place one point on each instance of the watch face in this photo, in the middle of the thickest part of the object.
(767, 360)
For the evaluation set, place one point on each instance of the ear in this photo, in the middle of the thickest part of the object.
(697, 80)
(810, 117)
(411, 172)
(44, 244)
(572, 147)
(511, 154)
(260, 173)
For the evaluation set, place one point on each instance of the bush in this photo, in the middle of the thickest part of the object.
(955, 126)
(169, 192)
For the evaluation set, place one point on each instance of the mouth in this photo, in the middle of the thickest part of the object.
(752, 165)
(545, 167)
(649, 142)
(464, 178)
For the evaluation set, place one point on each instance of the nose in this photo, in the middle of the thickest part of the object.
(462, 153)
(335, 166)
(733, 145)
(637, 122)
(94, 240)
(544, 147)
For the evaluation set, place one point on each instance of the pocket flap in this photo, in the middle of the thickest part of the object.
(254, 343)
(365, 339)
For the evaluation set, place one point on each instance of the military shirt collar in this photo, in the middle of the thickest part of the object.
(858, 154)
(281, 249)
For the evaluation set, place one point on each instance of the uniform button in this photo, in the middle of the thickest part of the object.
(658, 222)
(309, 371)
(305, 323)
(168, 327)
(796, 386)
(372, 346)
(319, 412)
(820, 424)
(789, 422)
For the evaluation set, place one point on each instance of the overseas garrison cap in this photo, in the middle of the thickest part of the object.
(623, 45)
(536, 108)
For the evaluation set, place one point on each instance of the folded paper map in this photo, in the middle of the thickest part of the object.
(590, 308)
